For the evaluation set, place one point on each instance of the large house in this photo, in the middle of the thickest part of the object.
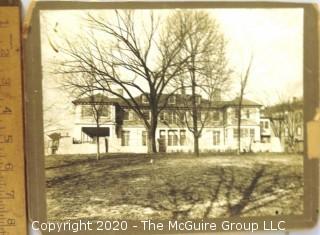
(287, 123)
(121, 130)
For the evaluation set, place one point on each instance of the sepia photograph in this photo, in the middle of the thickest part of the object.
(173, 113)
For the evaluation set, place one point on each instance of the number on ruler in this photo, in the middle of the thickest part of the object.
(8, 166)
(11, 222)
(5, 139)
(5, 81)
(10, 194)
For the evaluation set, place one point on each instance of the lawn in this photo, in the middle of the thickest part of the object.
(173, 186)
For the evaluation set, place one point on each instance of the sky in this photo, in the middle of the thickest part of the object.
(273, 37)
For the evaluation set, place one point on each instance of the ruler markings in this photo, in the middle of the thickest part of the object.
(12, 181)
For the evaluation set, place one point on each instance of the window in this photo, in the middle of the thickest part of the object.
(172, 99)
(172, 138)
(265, 139)
(235, 133)
(264, 124)
(298, 117)
(252, 133)
(172, 118)
(183, 137)
(261, 124)
(244, 133)
(248, 113)
(299, 130)
(286, 132)
(144, 138)
(126, 115)
(146, 114)
(162, 116)
(162, 140)
(198, 99)
(105, 111)
(144, 99)
(162, 134)
(182, 116)
(86, 111)
(125, 138)
(216, 137)
(216, 116)
(236, 113)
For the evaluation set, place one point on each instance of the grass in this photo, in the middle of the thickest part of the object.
(173, 186)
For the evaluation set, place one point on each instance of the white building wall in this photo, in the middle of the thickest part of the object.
(206, 143)
(135, 141)
(246, 142)
(135, 128)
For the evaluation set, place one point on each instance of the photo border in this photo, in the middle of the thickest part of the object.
(34, 114)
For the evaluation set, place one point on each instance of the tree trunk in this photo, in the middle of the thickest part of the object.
(196, 145)
(195, 117)
(239, 126)
(152, 147)
(98, 148)
(98, 139)
(194, 112)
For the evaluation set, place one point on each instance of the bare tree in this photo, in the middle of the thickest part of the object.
(286, 118)
(243, 85)
(128, 54)
(50, 123)
(95, 107)
(205, 72)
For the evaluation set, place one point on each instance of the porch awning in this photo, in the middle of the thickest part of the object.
(96, 132)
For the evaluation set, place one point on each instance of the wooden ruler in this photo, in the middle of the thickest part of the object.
(12, 170)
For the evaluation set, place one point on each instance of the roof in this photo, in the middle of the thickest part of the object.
(245, 102)
(296, 104)
(181, 101)
(98, 98)
(96, 132)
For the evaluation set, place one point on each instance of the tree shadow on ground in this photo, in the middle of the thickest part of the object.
(241, 192)
(195, 190)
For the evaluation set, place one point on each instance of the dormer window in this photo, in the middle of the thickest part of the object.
(144, 99)
(172, 99)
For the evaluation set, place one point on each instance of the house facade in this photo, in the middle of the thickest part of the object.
(287, 122)
(121, 130)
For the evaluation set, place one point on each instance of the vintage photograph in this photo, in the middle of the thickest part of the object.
(173, 113)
